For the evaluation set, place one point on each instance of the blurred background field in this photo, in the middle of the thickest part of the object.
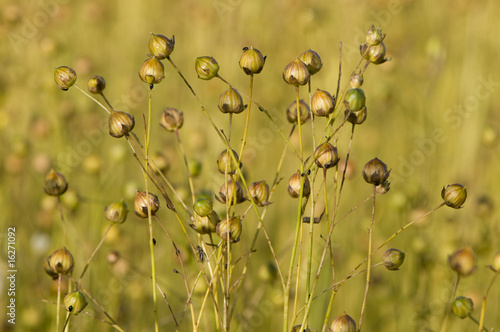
(433, 117)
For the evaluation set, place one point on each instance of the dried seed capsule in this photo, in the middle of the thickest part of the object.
(252, 61)
(393, 259)
(260, 193)
(203, 206)
(48, 269)
(233, 226)
(232, 193)
(225, 162)
(326, 155)
(357, 117)
(171, 119)
(96, 84)
(462, 307)
(383, 188)
(322, 103)
(296, 73)
(160, 46)
(207, 224)
(55, 183)
(230, 101)
(343, 323)
(120, 123)
(454, 195)
(65, 77)
(141, 204)
(75, 302)
(206, 67)
(356, 80)
(291, 112)
(463, 261)
(375, 172)
(354, 99)
(61, 261)
(375, 54)
(374, 36)
(152, 71)
(116, 212)
(294, 186)
(312, 61)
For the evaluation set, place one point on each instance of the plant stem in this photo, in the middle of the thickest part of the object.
(448, 306)
(483, 306)
(95, 251)
(58, 300)
(95, 100)
(244, 140)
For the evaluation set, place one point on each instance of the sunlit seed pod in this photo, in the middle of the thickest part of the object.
(383, 188)
(296, 73)
(294, 185)
(152, 71)
(49, 270)
(454, 195)
(291, 112)
(55, 183)
(375, 54)
(343, 323)
(161, 46)
(230, 227)
(462, 307)
(225, 162)
(356, 80)
(322, 103)
(374, 36)
(495, 266)
(75, 302)
(393, 259)
(260, 193)
(354, 99)
(326, 155)
(61, 261)
(96, 84)
(120, 124)
(232, 193)
(376, 172)
(252, 61)
(206, 67)
(65, 77)
(230, 101)
(141, 204)
(116, 212)
(358, 117)
(203, 206)
(206, 224)
(463, 261)
(171, 119)
(312, 61)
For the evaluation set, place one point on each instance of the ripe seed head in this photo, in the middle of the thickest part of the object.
(260, 193)
(326, 155)
(75, 302)
(232, 193)
(65, 77)
(207, 224)
(55, 183)
(233, 226)
(354, 99)
(225, 162)
(454, 195)
(463, 261)
(393, 259)
(375, 54)
(120, 123)
(61, 262)
(152, 71)
(141, 204)
(356, 80)
(171, 119)
(294, 186)
(357, 117)
(96, 84)
(161, 46)
(322, 103)
(252, 61)
(206, 67)
(343, 323)
(296, 73)
(376, 172)
(374, 36)
(116, 212)
(312, 61)
(230, 101)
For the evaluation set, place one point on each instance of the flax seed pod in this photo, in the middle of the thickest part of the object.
(252, 61)
(161, 46)
(312, 61)
(206, 224)
(120, 123)
(354, 99)
(296, 73)
(375, 54)
(203, 206)
(55, 183)
(141, 204)
(462, 307)
(326, 156)
(260, 193)
(233, 226)
(463, 261)
(393, 259)
(322, 103)
(116, 212)
(454, 195)
(152, 71)
(230, 101)
(343, 323)
(375, 172)
(171, 119)
(61, 262)
(232, 193)
(225, 162)
(358, 117)
(374, 36)
(294, 186)
(96, 85)
(206, 67)
(65, 77)
(75, 302)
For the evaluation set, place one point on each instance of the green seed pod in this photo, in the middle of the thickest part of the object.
(356, 80)
(291, 112)
(354, 99)
(454, 195)
(160, 46)
(233, 193)
(233, 226)
(152, 71)
(96, 84)
(116, 212)
(230, 101)
(326, 155)
(171, 119)
(393, 259)
(206, 67)
(296, 73)
(203, 206)
(120, 123)
(495, 266)
(462, 307)
(195, 167)
(225, 162)
(75, 302)
(463, 261)
(141, 204)
(312, 61)
(322, 103)
(375, 172)
(252, 61)
(207, 224)
(260, 193)
(374, 36)
(61, 261)
(294, 186)
(65, 77)
(375, 54)
(55, 183)
(343, 323)
(357, 117)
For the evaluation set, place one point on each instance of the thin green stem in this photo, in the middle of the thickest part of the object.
(448, 306)
(245, 132)
(95, 251)
(95, 100)
(483, 305)
(58, 300)
(190, 177)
